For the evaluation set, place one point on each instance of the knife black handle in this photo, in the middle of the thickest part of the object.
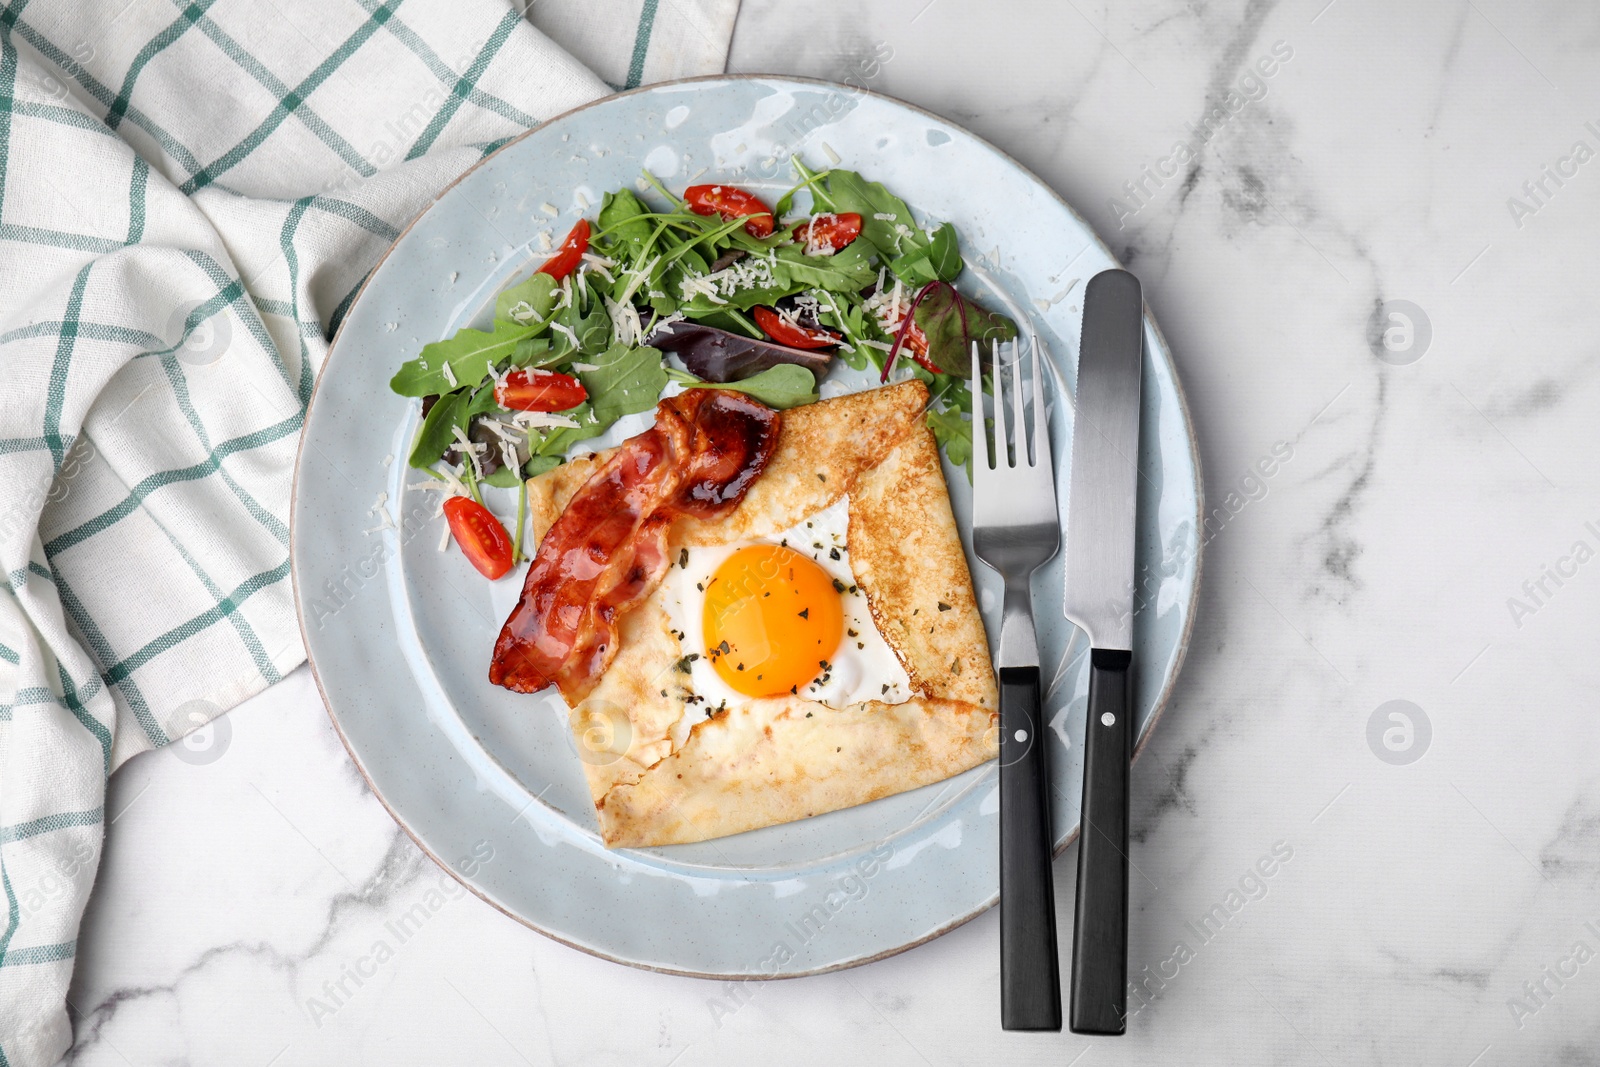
(1030, 975)
(1100, 934)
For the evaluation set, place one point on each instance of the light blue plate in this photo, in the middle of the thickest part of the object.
(399, 634)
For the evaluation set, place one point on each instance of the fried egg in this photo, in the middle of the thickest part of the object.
(780, 616)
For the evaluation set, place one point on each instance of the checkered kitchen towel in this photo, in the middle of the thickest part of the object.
(190, 194)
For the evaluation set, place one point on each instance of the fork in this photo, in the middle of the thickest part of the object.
(1015, 529)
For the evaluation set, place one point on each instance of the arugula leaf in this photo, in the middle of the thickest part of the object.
(848, 270)
(483, 402)
(944, 253)
(625, 381)
(954, 433)
(849, 191)
(455, 409)
(436, 435)
(914, 268)
(527, 303)
(537, 465)
(532, 352)
(953, 392)
(592, 328)
(939, 261)
(784, 385)
(503, 478)
(557, 440)
(742, 300)
(469, 353)
(722, 319)
(952, 323)
(693, 262)
(622, 219)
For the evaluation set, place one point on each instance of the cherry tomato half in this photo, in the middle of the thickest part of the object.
(731, 203)
(829, 230)
(539, 390)
(570, 254)
(785, 332)
(482, 539)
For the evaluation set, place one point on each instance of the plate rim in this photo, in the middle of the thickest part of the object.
(1156, 712)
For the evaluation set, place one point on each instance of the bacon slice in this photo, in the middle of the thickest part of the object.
(608, 550)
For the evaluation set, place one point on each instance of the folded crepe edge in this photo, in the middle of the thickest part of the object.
(767, 763)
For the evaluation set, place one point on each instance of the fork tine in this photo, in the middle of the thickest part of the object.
(1019, 426)
(1041, 429)
(1002, 440)
(980, 432)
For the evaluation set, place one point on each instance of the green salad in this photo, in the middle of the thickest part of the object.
(713, 288)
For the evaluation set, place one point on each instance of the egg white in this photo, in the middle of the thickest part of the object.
(863, 668)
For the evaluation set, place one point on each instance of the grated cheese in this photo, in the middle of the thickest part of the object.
(888, 308)
(521, 312)
(748, 273)
(636, 278)
(378, 509)
(499, 377)
(695, 285)
(449, 374)
(663, 323)
(452, 477)
(508, 441)
(469, 451)
(625, 324)
(566, 331)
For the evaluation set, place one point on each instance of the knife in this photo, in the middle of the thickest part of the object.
(1099, 599)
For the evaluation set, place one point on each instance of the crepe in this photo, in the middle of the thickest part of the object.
(783, 758)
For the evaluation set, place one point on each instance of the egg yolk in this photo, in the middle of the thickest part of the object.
(772, 620)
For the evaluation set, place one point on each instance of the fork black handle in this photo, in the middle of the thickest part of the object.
(1030, 977)
(1100, 933)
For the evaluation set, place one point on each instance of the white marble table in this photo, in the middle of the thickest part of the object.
(1419, 543)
